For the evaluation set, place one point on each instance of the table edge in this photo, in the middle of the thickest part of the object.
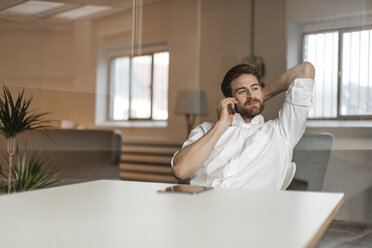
(325, 225)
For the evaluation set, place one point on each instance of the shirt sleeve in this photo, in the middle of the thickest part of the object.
(195, 134)
(293, 114)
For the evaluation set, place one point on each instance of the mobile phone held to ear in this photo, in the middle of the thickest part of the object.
(231, 109)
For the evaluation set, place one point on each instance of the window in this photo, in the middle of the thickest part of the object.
(139, 87)
(343, 77)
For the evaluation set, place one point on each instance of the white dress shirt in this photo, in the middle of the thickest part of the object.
(256, 155)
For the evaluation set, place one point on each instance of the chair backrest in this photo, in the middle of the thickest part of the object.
(311, 156)
(289, 175)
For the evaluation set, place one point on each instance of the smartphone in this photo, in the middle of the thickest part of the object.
(231, 109)
(188, 189)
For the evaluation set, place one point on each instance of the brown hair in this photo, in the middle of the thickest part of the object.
(234, 73)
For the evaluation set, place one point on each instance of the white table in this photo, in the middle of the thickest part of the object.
(111, 214)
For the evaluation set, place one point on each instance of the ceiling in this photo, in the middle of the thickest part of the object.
(54, 15)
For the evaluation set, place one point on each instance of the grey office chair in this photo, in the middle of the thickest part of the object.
(311, 156)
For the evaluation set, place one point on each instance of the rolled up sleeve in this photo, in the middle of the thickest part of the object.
(293, 114)
(300, 92)
(195, 134)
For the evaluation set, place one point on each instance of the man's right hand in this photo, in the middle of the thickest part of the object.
(223, 113)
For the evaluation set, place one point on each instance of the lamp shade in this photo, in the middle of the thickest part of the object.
(191, 102)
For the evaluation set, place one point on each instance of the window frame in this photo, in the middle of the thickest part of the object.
(108, 99)
(340, 31)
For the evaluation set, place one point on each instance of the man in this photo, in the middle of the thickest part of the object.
(241, 150)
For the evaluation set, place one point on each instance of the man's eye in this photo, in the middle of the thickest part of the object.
(255, 88)
(241, 91)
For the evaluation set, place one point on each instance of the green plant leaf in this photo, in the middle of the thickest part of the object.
(16, 115)
(33, 173)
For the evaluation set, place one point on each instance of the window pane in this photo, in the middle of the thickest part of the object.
(141, 87)
(160, 86)
(355, 81)
(322, 51)
(119, 89)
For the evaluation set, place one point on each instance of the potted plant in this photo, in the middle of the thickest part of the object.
(31, 174)
(15, 118)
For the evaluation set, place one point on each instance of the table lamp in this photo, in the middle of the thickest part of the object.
(191, 103)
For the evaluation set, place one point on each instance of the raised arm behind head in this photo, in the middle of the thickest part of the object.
(282, 82)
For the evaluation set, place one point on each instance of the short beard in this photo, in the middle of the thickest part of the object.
(250, 113)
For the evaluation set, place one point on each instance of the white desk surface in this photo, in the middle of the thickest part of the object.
(109, 214)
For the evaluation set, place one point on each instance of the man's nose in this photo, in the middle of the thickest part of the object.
(249, 93)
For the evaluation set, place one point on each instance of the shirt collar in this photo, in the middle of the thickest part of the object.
(238, 121)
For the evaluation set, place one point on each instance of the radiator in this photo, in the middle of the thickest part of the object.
(148, 162)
